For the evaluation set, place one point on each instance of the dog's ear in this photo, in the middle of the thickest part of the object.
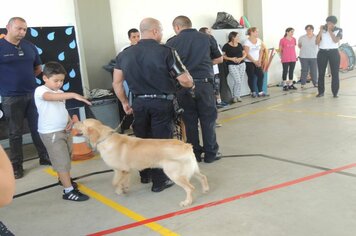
(93, 136)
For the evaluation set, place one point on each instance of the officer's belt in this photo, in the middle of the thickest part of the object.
(156, 96)
(203, 80)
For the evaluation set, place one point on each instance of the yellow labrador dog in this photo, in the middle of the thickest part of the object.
(123, 153)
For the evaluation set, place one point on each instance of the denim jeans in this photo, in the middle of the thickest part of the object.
(309, 65)
(254, 73)
(16, 109)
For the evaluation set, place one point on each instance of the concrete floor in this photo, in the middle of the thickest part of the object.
(289, 168)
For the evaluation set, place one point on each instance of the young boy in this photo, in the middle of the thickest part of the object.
(54, 123)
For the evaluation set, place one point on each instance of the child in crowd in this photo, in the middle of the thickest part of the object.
(54, 123)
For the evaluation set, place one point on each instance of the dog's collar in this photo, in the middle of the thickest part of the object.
(106, 137)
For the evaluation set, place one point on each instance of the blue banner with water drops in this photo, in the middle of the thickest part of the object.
(58, 44)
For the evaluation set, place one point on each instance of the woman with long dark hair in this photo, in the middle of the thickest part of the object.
(234, 55)
(288, 58)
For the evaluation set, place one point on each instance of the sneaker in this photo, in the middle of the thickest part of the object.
(285, 88)
(239, 99)
(253, 94)
(18, 172)
(211, 160)
(4, 230)
(261, 94)
(234, 100)
(217, 125)
(75, 195)
(320, 95)
(292, 87)
(74, 184)
(221, 105)
(224, 104)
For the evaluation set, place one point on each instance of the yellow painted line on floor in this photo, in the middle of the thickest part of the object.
(242, 115)
(269, 108)
(344, 116)
(315, 113)
(114, 205)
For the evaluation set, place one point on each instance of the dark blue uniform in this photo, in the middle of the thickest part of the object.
(17, 85)
(146, 68)
(196, 51)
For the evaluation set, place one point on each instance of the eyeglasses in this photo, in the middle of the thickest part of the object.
(20, 51)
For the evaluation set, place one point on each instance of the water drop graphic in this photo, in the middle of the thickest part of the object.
(50, 36)
(72, 73)
(69, 30)
(66, 86)
(38, 81)
(34, 32)
(61, 56)
(39, 50)
(72, 44)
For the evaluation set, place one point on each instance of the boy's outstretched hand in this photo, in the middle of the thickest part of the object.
(82, 99)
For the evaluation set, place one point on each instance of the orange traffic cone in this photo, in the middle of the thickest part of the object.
(80, 149)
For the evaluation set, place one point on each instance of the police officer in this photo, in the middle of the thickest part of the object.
(151, 71)
(19, 64)
(198, 52)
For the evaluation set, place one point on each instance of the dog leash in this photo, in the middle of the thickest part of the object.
(120, 124)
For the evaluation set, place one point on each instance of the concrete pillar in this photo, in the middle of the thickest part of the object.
(95, 42)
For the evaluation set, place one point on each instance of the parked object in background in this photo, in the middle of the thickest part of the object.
(225, 21)
(347, 57)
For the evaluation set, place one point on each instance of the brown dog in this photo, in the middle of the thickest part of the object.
(123, 153)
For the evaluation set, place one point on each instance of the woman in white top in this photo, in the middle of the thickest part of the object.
(253, 47)
(328, 39)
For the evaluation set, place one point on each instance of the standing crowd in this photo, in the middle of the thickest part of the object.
(157, 75)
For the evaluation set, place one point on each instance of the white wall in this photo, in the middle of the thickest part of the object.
(128, 14)
(279, 15)
(276, 17)
(39, 12)
(347, 21)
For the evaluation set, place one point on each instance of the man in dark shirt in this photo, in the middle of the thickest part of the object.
(19, 64)
(151, 71)
(198, 52)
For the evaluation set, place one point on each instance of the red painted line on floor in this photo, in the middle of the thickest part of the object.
(230, 199)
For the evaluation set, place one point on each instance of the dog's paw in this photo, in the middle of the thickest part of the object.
(125, 189)
(185, 203)
(205, 190)
(118, 191)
